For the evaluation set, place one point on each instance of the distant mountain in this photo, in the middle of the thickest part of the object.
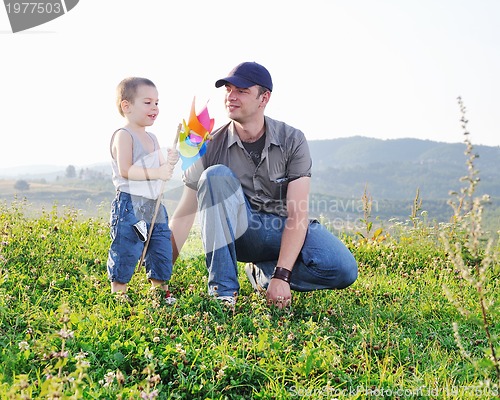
(391, 172)
(395, 169)
(359, 150)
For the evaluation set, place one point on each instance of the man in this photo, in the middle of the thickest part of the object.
(251, 189)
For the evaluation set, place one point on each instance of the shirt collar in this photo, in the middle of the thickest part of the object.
(232, 135)
(270, 133)
(272, 138)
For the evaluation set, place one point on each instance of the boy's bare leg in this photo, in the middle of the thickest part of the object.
(118, 287)
(163, 286)
(160, 284)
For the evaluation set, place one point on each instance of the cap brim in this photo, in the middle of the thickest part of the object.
(236, 81)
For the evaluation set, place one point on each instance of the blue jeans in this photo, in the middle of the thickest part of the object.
(126, 248)
(232, 231)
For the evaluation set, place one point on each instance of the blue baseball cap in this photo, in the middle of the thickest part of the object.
(248, 74)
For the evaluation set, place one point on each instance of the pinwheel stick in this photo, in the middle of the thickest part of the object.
(157, 205)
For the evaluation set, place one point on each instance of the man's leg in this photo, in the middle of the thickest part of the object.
(323, 263)
(223, 218)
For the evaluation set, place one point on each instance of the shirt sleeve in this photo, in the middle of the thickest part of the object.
(192, 175)
(300, 162)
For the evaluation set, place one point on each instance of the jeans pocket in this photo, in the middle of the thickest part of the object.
(113, 218)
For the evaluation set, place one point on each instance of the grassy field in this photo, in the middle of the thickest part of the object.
(411, 326)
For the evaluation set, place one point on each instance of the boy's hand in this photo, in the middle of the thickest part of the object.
(165, 171)
(172, 156)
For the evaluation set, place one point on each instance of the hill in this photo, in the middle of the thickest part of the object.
(394, 169)
(389, 171)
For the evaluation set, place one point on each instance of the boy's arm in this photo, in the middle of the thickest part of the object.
(182, 220)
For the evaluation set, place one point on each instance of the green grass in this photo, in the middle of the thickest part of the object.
(389, 335)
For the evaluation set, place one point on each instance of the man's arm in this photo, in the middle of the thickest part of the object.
(182, 220)
(293, 237)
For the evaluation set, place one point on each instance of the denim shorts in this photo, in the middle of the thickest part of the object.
(126, 247)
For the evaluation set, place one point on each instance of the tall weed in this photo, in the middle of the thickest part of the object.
(476, 266)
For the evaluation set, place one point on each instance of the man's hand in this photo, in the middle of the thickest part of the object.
(279, 294)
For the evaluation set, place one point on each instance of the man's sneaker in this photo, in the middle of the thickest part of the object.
(227, 300)
(250, 270)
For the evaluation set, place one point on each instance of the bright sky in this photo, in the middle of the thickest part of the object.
(384, 69)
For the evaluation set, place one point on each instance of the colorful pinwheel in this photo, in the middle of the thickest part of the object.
(194, 136)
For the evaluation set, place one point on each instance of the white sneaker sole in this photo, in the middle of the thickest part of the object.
(249, 270)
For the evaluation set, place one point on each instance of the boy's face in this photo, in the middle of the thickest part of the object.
(144, 109)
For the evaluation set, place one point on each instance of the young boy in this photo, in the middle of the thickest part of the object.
(139, 172)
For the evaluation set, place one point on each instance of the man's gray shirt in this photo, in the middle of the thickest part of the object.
(285, 158)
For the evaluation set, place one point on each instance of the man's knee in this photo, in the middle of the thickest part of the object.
(348, 273)
(214, 171)
(217, 184)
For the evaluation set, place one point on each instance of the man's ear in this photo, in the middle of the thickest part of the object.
(265, 97)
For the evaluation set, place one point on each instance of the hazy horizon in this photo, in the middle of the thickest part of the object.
(384, 69)
(52, 167)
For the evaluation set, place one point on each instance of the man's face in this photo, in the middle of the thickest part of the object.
(243, 104)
